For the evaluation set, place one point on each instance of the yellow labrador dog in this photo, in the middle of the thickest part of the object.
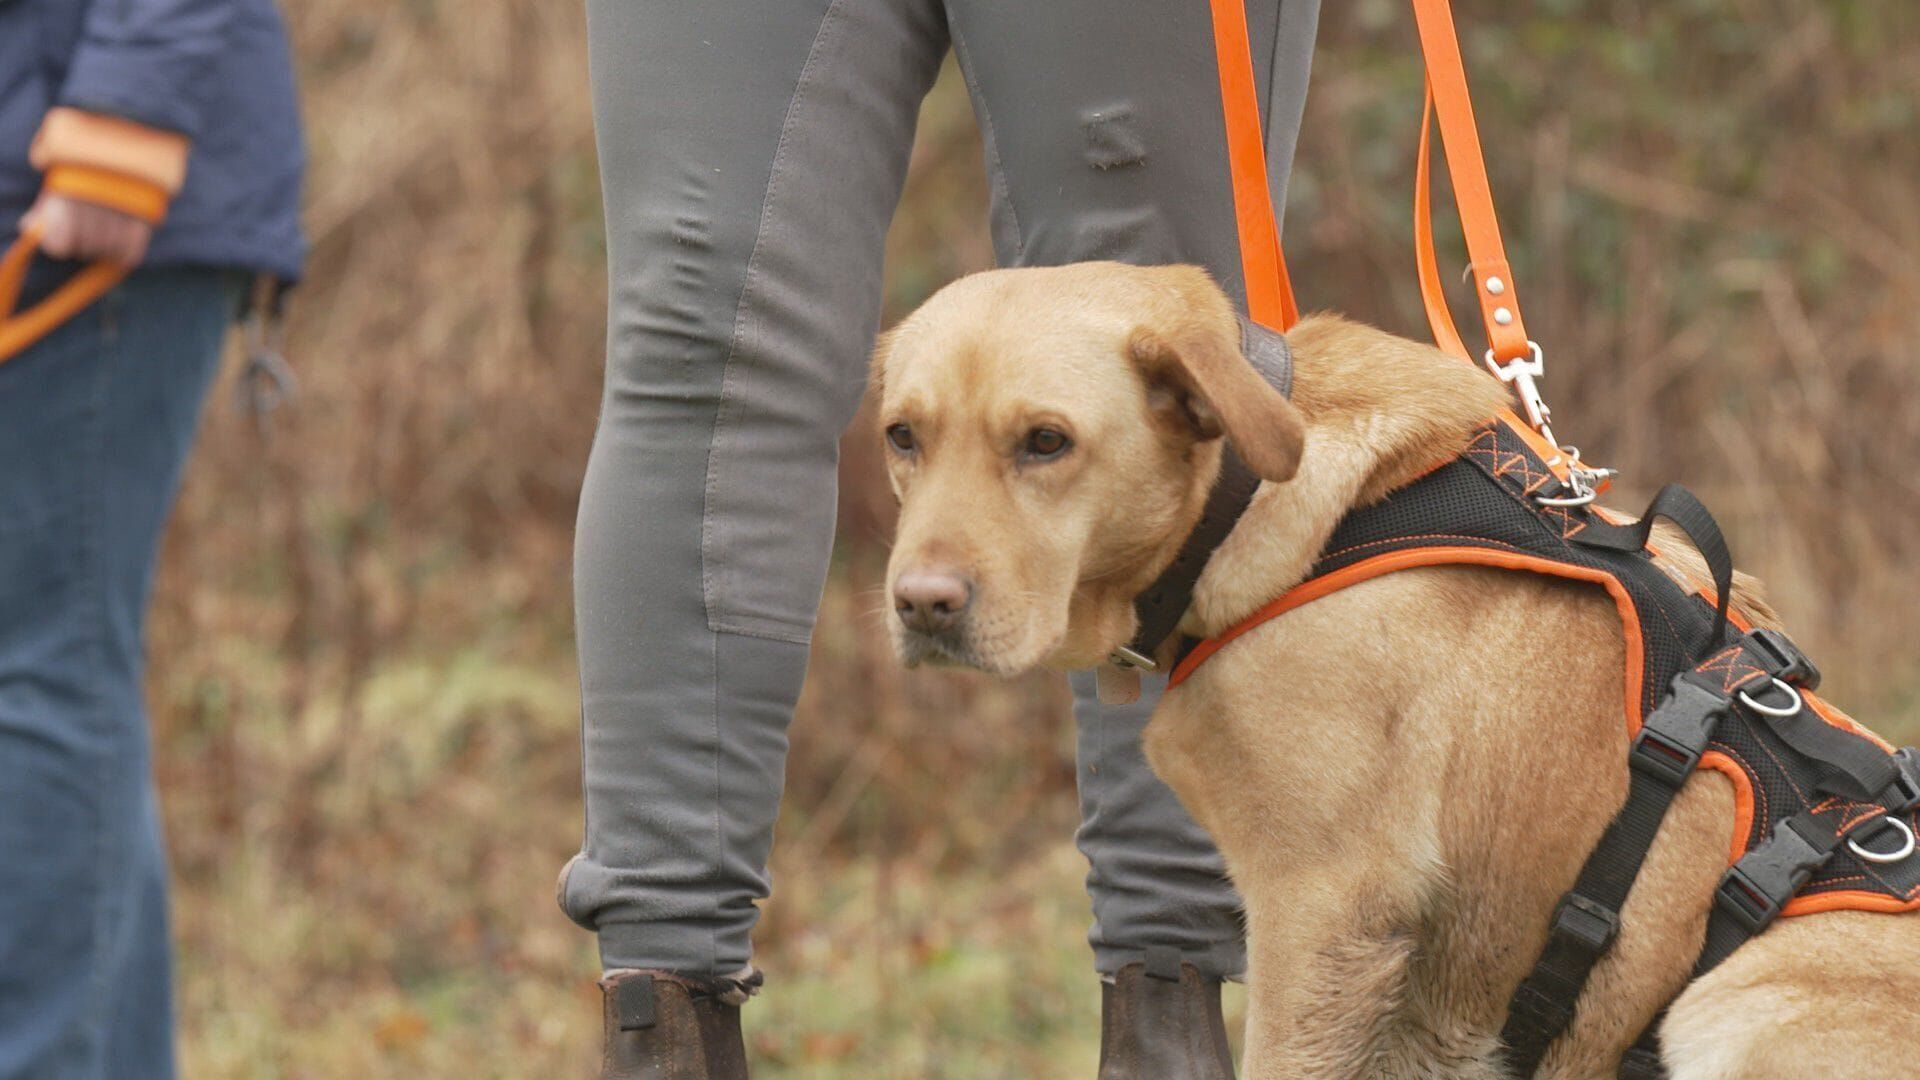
(1053, 434)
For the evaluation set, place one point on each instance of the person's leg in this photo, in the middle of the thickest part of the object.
(751, 155)
(1106, 140)
(95, 422)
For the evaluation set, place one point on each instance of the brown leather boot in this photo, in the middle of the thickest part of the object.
(663, 1026)
(1161, 1021)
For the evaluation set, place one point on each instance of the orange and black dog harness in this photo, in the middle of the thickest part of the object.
(1825, 809)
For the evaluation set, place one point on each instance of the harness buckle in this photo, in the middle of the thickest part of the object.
(1673, 736)
(1754, 889)
(1125, 656)
(1904, 793)
(1794, 667)
(1585, 922)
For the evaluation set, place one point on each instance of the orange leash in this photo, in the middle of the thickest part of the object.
(1512, 355)
(19, 329)
(1447, 99)
(1433, 295)
(1270, 297)
(1262, 264)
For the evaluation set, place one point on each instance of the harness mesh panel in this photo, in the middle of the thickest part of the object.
(1483, 499)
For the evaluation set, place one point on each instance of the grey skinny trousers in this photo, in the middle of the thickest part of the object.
(751, 154)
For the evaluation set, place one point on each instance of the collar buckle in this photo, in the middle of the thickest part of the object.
(1128, 657)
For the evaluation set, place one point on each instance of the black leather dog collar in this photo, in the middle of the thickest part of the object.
(1160, 608)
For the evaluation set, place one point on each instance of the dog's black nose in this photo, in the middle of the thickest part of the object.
(931, 601)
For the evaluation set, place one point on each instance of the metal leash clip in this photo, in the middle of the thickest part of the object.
(268, 381)
(1519, 373)
(1585, 481)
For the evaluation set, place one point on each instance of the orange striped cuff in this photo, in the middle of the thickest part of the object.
(107, 143)
(116, 191)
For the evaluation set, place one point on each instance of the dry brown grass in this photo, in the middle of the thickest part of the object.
(364, 700)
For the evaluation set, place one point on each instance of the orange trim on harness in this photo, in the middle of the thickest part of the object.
(21, 329)
(1743, 799)
(1262, 264)
(1435, 556)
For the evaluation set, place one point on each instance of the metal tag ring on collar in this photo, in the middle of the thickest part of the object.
(1872, 856)
(1791, 709)
(1125, 656)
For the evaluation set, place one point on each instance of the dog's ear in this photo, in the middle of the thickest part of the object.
(1197, 376)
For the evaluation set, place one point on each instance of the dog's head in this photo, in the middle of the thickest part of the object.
(1052, 435)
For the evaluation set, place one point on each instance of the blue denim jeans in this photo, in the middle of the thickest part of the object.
(95, 421)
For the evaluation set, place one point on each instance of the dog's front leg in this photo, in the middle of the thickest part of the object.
(1318, 988)
(1331, 952)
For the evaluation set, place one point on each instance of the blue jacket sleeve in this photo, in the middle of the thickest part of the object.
(145, 60)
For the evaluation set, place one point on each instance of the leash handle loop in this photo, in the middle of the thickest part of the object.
(19, 329)
(1426, 261)
(1448, 102)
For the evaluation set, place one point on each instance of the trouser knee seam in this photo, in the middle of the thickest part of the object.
(726, 414)
(992, 144)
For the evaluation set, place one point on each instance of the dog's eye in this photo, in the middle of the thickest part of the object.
(900, 437)
(1045, 443)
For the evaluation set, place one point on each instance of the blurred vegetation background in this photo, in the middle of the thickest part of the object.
(365, 699)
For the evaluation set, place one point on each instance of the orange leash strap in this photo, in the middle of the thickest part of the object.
(1447, 99)
(1433, 294)
(1512, 356)
(1263, 265)
(19, 329)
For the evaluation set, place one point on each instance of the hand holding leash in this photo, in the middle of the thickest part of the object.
(19, 329)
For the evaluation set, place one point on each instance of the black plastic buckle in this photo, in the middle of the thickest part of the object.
(1755, 889)
(1793, 665)
(1673, 736)
(1584, 922)
(1904, 793)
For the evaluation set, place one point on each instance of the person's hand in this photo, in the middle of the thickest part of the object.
(73, 229)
